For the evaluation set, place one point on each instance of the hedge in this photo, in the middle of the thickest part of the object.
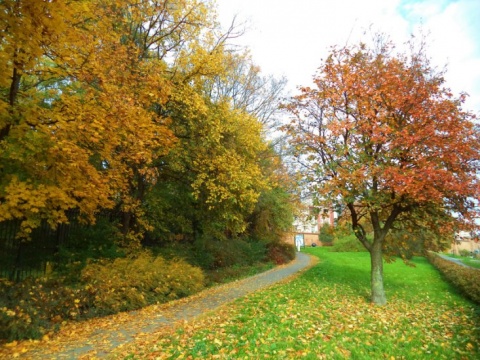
(464, 278)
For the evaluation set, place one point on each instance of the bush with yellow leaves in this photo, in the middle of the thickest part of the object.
(131, 283)
(34, 307)
(31, 308)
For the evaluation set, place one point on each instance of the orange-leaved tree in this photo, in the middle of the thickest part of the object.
(381, 135)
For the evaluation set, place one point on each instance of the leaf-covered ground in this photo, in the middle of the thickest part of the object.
(96, 338)
(325, 313)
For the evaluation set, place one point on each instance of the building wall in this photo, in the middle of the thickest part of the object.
(465, 241)
(309, 224)
(326, 216)
(311, 221)
(311, 238)
(469, 245)
(308, 238)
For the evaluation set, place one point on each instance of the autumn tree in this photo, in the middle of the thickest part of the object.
(137, 106)
(248, 89)
(165, 46)
(382, 135)
(219, 111)
(275, 209)
(81, 86)
(47, 140)
(215, 163)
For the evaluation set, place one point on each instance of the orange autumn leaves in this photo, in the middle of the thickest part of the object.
(381, 136)
(382, 131)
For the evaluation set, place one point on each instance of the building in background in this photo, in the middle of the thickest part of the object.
(465, 243)
(307, 225)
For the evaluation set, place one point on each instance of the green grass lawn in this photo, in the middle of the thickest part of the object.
(325, 314)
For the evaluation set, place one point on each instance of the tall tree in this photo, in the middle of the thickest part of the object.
(80, 88)
(215, 161)
(47, 140)
(219, 111)
(138, 105)
(382, 135)
(249, 90)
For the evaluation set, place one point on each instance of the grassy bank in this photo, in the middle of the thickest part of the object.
(325, 313)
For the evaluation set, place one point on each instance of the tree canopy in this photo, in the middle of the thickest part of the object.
(137, 106)
(381, 135)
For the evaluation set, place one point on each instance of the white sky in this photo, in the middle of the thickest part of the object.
(290, 37)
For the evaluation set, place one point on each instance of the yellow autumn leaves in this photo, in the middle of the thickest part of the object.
(95, 96)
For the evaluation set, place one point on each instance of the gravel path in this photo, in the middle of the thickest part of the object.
(103, 340)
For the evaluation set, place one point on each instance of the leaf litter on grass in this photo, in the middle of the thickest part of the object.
(97, 337)
(316, 317)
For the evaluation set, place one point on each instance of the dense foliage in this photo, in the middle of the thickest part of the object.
(125, 104)
(141, 107)
(326, 235)
(34, 307)
(347, 243)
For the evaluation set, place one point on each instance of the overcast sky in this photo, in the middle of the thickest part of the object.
(290, 37)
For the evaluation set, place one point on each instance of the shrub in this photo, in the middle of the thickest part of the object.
(224, 275)
(464, 252)
(131, 283)
(466, 279)
(326, 234)
(221, 260)
(228, 252)
(32, 307)
(212, 254)
(97, 241)
(236, 252)
(280, 252)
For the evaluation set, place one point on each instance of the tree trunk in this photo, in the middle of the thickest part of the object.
(126, 222)
(12, 97)
(376, 257)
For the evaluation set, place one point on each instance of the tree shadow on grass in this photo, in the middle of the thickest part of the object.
(350, 275)
(347, 279)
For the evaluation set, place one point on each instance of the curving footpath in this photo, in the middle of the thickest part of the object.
(104, 340)
(454, 260)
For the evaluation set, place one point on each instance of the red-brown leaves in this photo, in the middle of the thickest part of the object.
(383, 130)
(382, 136)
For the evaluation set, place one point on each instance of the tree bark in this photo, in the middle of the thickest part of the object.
(12, 97)
(376, 257)
(126, 222)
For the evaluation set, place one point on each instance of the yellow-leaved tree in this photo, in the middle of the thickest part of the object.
(45, 165)
(137, 106)
(81, 84)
